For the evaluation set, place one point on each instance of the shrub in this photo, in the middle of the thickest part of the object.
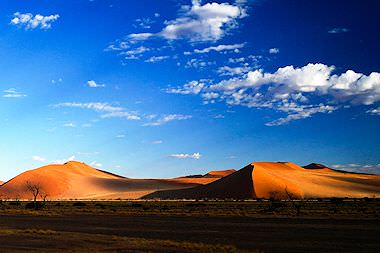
(79, 204)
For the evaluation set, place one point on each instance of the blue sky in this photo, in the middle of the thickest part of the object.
(169, 88)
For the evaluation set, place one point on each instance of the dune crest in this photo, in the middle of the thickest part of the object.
(282, 180)
(76, 180)
(276, 180)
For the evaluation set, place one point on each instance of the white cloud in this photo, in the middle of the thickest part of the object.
(232, 71)
(106, 110)
(93, 84)
(38, 158)
(157, 142)
(95, 164)
(339, 30)
(220, 48)
(193, 87)
(70, 124)
(186, 156)
(61, 161)
(274, 50)
(134, 53)
(289, 89)
(375, 111)
(29, 21)
(219, 116)
(358, 168)
(167, 118)
(53, 81)
(121, 136)
(296, 112)
(156, 58)
(13, 93)
(236, 60)
(144, 23)
(208, 22)
(198, 63)
(134, 37)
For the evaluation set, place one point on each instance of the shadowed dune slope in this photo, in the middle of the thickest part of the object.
(282, 180)
(75, 180)
(204, 179)
(238, 185)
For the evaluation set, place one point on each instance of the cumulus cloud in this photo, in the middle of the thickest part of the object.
(93, 84)
(186, 156)
(289, 89)
(195, 23)
(208, 22)
(274, 50)
(374, 111)
(13, 93)
(30, 21)
(192, 87)
(167, 118)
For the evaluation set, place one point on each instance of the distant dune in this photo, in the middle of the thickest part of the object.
(204, 179)
(75, 180)
(1, 182)
(282, 180)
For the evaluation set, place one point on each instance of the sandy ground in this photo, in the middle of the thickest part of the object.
(91, 232)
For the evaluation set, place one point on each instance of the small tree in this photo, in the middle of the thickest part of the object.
(295, 204)
(36, 190)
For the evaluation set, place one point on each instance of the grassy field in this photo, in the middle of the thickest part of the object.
(335, 225)
(351, 208)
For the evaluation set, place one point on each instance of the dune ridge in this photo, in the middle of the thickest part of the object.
(282, 180)
(76, 180)
(278, 180)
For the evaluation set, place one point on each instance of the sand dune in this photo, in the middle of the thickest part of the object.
(1, 182)
(282, 181)
(75, 180)
(204, 179)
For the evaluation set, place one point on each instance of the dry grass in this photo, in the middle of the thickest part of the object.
(313, 208)
(83, 242)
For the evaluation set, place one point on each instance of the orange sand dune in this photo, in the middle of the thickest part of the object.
(204, 179)
(75, 180)
(282, 181)
(236, 185)
(1, 182)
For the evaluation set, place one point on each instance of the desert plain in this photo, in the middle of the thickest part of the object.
(263, 207)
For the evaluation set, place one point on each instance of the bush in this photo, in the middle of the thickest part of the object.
(137, 205)
(15, 203)
(79, 204)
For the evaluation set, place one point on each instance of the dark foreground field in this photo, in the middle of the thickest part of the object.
(172, 226)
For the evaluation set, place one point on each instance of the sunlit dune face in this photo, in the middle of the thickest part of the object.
(284, 178)
(270, 180)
